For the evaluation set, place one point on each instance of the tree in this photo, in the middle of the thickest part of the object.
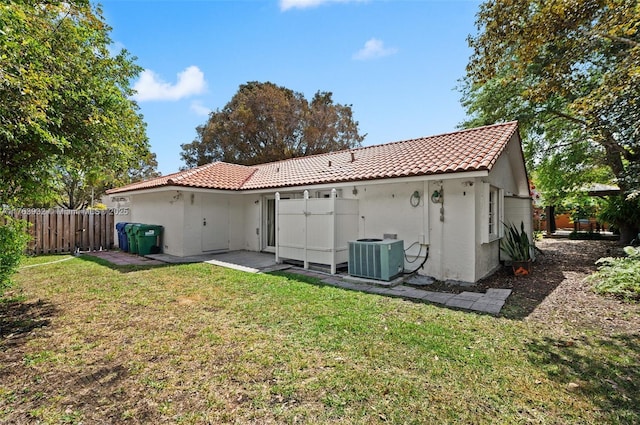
(64, 100)
(569, 71)
(264, 122)
(78, 187)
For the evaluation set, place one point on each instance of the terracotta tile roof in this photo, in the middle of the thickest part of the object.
(466, 150)
(217, 175)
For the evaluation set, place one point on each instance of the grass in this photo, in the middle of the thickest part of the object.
(94, 343)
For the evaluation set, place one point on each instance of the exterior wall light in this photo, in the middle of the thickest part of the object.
(415, 199)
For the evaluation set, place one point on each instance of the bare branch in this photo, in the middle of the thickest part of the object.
(568, 117)
(619, 39)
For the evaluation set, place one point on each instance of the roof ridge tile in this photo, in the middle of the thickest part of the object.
(190, 172)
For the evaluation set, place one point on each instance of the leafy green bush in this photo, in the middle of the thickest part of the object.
(13, 242)
(619, 276)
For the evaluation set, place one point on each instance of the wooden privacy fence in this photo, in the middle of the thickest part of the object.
(58, 230)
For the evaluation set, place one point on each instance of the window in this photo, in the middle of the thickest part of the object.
(492, 213)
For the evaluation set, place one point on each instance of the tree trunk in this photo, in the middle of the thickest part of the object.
(628, 232)
(550, 211)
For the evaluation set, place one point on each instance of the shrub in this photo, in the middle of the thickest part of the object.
(516, 243)
(13, 242)
(619, 276)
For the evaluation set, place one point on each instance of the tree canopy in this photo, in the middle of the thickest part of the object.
(569, 71)
(264, 122)
(65, 106)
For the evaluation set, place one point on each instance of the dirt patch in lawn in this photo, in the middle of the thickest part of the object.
(556, 293)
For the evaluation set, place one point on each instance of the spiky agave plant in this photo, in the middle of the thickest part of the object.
(516, 243)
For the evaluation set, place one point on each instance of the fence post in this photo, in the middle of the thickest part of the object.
(59, 231)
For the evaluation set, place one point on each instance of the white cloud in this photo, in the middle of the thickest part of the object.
(304, 4)
(199, 108)
(151, 87)
(373, 49)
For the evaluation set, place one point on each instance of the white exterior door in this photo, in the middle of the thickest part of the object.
(215, 223)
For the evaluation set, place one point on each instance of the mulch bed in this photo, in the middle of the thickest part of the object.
(556, 294)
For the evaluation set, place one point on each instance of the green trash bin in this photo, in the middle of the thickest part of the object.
(148, 238)
(130, 229)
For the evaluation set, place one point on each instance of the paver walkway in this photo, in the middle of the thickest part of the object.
(253, 262)
(490, 302)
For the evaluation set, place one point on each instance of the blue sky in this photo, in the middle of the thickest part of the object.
(396, 62)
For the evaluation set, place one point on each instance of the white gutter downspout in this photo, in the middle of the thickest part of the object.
(306, 219)
(334, 219)
(277, 224)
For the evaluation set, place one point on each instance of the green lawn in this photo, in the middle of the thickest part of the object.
(94, 343)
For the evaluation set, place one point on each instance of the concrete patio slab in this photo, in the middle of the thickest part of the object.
(233, 266)
(276, 268)
(246, 261)
(172, 259)
(254, 260)
(419, 280)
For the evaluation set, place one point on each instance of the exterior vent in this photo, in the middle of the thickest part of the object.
(376, 258)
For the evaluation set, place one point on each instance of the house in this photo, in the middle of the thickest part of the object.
(449, 193)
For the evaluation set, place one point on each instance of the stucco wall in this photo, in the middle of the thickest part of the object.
(236, 223)
(121, 206)
(163, 208)
(517, 210)
(386, 208)
(452, 239)
(213, 222)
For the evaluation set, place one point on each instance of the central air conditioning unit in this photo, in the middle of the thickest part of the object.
(381, 259)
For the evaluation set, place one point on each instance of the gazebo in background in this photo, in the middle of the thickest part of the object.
(596, 189)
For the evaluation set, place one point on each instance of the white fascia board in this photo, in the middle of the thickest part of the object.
(175, 188)
(338, 185)
(205, 190)
(320, 186)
